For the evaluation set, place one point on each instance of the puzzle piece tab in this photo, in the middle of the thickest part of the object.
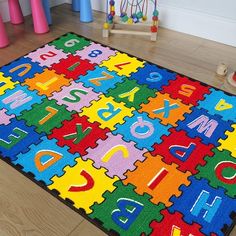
(45, 160)
(116, 155)
(21, 69)
(220, 171)
(96, 53)
(168, 110)
(126, 212)
(73, 67)
(75, 96)
(186, 152)
(123, 64)
(83, 184)
(47, 82)
(142, 130)
(131, 93)
(16, 137)
(204, 205)
(70, 43)
(107, 112)
(79, 134)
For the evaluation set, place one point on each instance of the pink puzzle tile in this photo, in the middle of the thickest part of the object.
(4, 118)
(47, 55)
(116, 155)
(96, 53)
(75, 96)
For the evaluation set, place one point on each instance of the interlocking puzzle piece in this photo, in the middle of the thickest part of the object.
(83, 184)
(21, 69)
(159, 180)
(100, 79)
(6, 83)
(123, 64)
(168, 110)
(107, 112)
(188, 90)
(4, 118)
(153, 76)
(45, 160)
(116, 155)
(47, 55)
(229, 142)
(126, 212)
(142, 130)
(220, 171)
(46, 116)
(19, 99)
(79, 134)
(70, 43)
(208, 127)
(131, 93)
(47, 82)
(220, 103)
(204, 205)
(16, 137)
(174, 225)
(73, 67)
(96, 53)
(186, 152)
(75, 96)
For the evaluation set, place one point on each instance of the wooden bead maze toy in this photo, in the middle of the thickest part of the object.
(132, 13)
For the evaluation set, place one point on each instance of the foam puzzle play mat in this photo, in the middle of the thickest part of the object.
(135, 148)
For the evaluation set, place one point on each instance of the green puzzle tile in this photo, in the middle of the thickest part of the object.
(220, 171)
(124, 205)
(70, 43)
(131, 93)
(46, 116)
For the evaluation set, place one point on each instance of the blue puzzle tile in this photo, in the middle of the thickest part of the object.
(207, 206)
(220, 103)
(21, 69)
(46, 160)
(201, 124)
(100, 79)
(16, 137)
(142, 130)
(19, 99)
(153, 76)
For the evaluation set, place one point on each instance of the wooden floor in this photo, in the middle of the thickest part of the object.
(26, 209)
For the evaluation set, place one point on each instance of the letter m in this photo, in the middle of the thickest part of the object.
(204, 125)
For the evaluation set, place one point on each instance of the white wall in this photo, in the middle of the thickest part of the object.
(210, 19)
(25, 5)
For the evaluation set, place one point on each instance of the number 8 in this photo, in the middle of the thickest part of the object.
(95, 53)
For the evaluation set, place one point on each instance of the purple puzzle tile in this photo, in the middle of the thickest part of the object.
(4, 118)
(75, 96)
(47, 55)
(116, 155)
(96, 53)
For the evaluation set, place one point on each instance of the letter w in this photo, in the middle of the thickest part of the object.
(204, 125)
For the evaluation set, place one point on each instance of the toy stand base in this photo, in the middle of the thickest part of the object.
(126, 29)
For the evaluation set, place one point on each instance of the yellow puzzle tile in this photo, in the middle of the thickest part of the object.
(123, 64)
(230, 142)
(6, 83)
(83, 184)
(107, 112)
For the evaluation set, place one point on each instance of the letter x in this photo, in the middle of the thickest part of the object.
(166, 109)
